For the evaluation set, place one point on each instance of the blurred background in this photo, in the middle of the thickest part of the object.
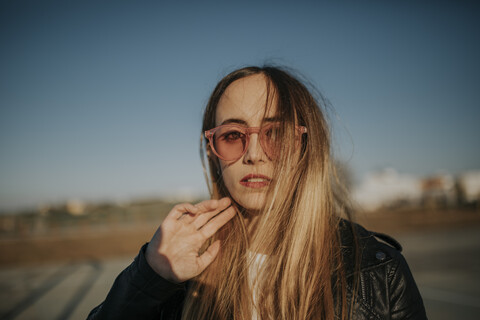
(100, 118)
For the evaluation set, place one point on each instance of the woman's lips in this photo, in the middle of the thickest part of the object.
(255, 181)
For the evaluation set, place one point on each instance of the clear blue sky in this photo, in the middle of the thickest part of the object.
(103, 99)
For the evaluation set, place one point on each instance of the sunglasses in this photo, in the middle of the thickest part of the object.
(230, 141)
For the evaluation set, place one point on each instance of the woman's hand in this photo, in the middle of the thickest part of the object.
(173, 250)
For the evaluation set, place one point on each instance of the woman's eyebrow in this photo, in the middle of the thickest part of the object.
(239, 121)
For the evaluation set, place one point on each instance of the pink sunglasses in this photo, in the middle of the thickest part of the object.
(229, 142)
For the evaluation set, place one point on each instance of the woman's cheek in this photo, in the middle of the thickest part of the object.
(232, 183)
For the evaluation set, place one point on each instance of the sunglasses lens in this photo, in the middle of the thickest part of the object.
(270, 139)
(229, 143)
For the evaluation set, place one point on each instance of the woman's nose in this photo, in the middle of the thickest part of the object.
(254, 152)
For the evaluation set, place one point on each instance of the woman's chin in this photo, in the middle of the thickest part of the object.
(252, 205)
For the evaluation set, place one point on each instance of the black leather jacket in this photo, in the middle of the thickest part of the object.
(385, 287)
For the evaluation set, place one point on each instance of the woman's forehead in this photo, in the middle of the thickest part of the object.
(246, 99)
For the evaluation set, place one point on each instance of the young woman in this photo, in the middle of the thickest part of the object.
(273, 243)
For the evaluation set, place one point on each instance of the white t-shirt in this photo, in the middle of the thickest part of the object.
(258, 260)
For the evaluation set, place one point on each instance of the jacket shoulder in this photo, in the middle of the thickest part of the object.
(366, 248)
(385, 287)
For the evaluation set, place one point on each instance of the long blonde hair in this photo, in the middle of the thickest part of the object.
(304, 276)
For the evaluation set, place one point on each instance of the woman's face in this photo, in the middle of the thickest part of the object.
(247, 178)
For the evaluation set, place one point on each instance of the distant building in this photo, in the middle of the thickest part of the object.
(75, 207)
(439, 191)
(390, 189)
(387, 188)
(469, 185)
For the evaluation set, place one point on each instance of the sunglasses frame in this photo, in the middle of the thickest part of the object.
(209, 134)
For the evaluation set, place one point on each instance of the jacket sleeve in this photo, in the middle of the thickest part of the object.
(405, 299)
(137, 293)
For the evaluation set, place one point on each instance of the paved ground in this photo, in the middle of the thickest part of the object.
(446, 265)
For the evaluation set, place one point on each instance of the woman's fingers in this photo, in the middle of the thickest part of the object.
(180, 209)
(212, 205)
(173, 250)
(209, 255)
(213, 210)
(217, 222)
(187, 212)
